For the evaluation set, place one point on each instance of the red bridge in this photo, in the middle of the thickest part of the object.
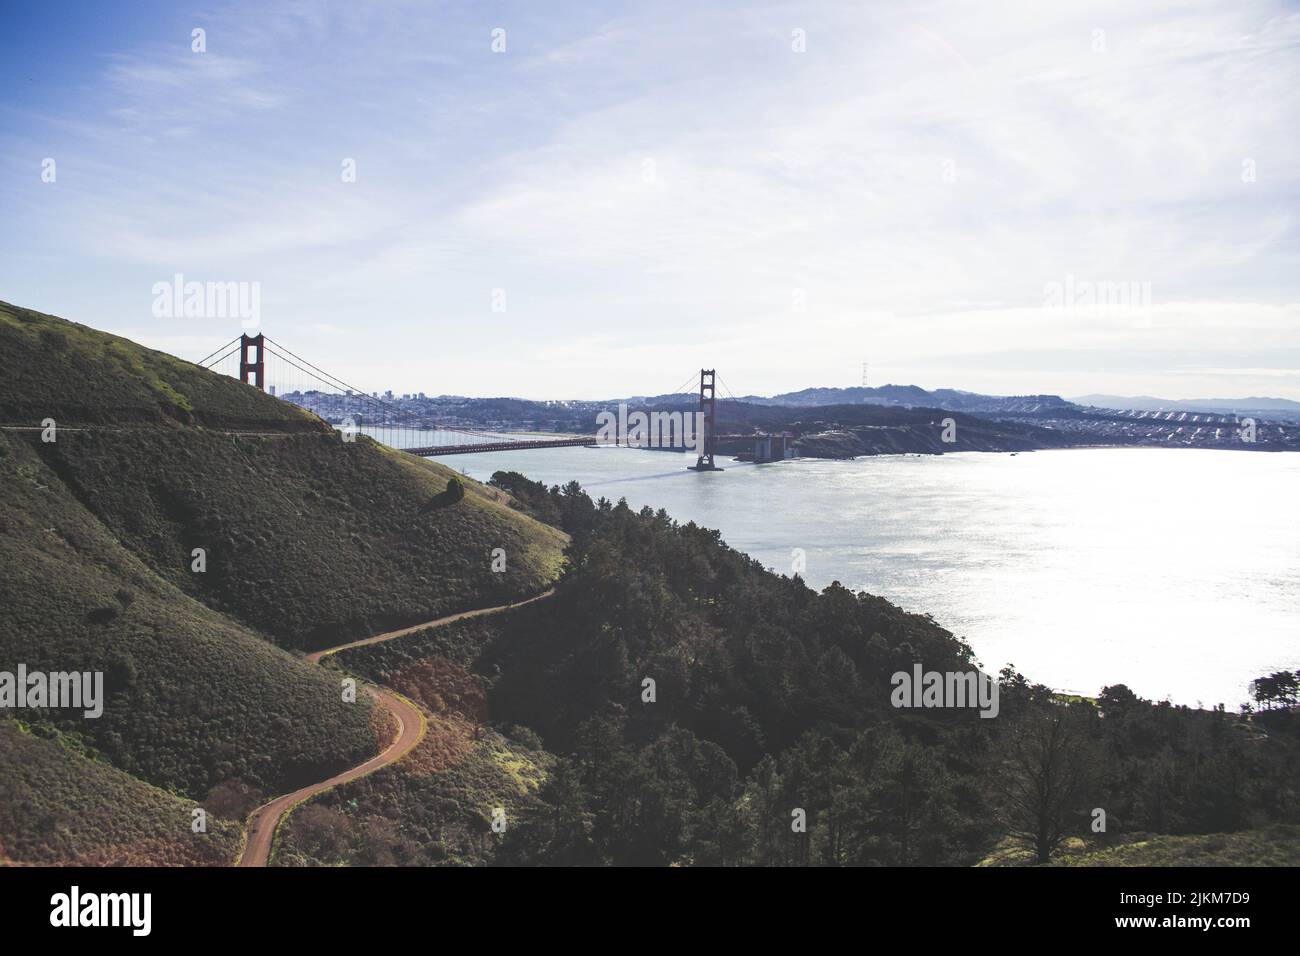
(249, 358)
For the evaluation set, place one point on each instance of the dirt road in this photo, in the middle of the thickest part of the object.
(315, 656)
(262, 824)
(411, 726)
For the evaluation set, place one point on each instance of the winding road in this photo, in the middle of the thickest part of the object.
(263, 821)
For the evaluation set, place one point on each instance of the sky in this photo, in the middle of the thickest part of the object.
(594, 200)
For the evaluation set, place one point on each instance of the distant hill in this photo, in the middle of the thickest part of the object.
(1277, 407)
(915, 397)
(307, 539)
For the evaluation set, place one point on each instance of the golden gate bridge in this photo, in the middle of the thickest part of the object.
(263, 363)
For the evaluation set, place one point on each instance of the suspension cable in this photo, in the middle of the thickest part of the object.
(224, 357)
(681, 389)
(326, 376)
(204, 361)
(325, 379)
(393, 415)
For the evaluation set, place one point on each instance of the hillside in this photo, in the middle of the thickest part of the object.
(1276, 845)
(80, 376)
(192, 697)
(539, 711)
(291, 518)
(59, 807)
(1271, 407)
(307, 538)
(913, 396)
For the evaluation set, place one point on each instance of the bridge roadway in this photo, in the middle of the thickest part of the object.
(433, 451)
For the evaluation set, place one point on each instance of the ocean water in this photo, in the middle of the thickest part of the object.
(1174, 571)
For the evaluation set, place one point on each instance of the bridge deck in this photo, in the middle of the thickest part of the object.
(435, 451)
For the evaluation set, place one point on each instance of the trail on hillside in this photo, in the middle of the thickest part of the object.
(315, 656)
(263, 821)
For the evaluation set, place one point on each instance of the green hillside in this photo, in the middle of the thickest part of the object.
(58, 807)
(191, 696)
(78, 375)
(1275, 845)
(307, 540)
(1270, 846)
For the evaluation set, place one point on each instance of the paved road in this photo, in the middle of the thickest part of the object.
(411, 726)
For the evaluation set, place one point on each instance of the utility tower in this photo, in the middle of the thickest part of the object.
(256, 366)
(708, 409)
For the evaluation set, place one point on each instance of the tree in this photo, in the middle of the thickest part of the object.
(322, 832)
(1116, 699)
(1279, 689)
(1044, 769)
(453, 493)
(232, 799)
(558, 833)
(891, 803)
(768, 811)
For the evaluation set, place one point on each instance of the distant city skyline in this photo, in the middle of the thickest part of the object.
(583, 203)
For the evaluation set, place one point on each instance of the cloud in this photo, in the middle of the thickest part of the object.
(659, 192)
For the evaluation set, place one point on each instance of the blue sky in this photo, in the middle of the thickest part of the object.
(782, 191)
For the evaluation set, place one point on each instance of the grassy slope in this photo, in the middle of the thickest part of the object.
(1275, 845)
(433, 808)
(309, 540)
(77, 375)
(445, 794)
(191, 696)
(58, 807)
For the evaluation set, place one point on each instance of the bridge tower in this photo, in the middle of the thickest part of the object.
(258, 366)
(708, 408)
